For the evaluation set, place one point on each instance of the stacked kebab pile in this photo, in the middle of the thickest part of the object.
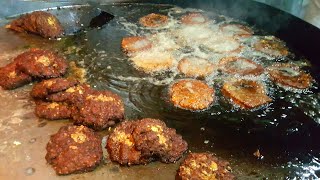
(77, 148)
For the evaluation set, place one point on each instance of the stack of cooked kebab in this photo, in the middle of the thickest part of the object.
(77, 148)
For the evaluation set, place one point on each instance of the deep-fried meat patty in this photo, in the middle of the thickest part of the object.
(153, 20)
(194, 19)
(239, 65)
(237, 30)
(53, 110)
(74, 149)
(191, 94)
(41, 63)
(135, 44)
(154, 139)
(143, 141)
(151, 62)
(289, 75)
(38, 22)
(12, 78)
(46, 87)
(195, 67)
(121, 145)
(73, 95)
(204, 166)
(99, 110)
(246, 93)
(272, 46)
(223, 44)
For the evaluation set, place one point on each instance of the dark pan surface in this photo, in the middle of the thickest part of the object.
(286, 132)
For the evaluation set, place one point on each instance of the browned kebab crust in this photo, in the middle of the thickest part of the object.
(204, 166)
(50, 86)
(41, 63)
(143, 141)
(85, 106)
(290, 75)
(240, 66)
(53, 110)
(153, 20)
(247, 94)
(74, 149)
(192, 19)
(191, 94)
(121, 145)
(12, 78)
(99, 110)
(153, 138)
(72, 95)
(38, 22)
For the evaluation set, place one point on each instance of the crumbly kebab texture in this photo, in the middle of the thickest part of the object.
(74, 149)
(143, 141)
(44, 88)
(12, 77)
(99, 110)
(204, 166)
(42, 63)
(53, 110)
(62, 98)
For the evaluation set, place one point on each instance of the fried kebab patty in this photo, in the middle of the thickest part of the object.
(72, 95)
(53, 110)
(153, 138)
(223, 44)
(74, 149)
(134, 44)
(32, 64)
(237, 30)
(194, 19)
(121, 145)
(150, 62)
(204, 166)
(143, 141)
(61, 98)
(50, 86)
(41, 63)
(12, 77)
(289, 75)
(195, 67)
(38, 22)
(191, 94)
(153, 20)
(99, 110)
(52, 100)
(247, 94)
(240, 66)
(271, 46)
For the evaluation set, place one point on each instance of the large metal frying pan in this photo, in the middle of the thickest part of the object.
(285, 135)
